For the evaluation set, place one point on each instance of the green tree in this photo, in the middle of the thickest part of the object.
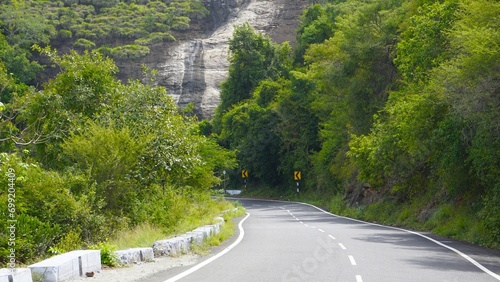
(83, 90)
(24, 26)
(424, 44)
(17, 63)
(315, 27)
(470, 81)
(250, 129)
(109, 156)
(253, 57)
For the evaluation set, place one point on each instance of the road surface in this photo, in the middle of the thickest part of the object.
(283, 241)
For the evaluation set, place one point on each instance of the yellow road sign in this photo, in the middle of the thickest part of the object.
(297, 175)
(244, 173)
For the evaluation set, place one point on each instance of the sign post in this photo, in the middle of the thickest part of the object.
(297, 176)
(224, 181)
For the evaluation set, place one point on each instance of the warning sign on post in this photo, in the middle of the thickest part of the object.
(297, 175)
(244, 173)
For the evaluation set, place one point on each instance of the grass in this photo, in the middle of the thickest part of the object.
(452, 220)
(227, 230)
(145, 234)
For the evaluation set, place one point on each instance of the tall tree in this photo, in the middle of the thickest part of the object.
(253, 57)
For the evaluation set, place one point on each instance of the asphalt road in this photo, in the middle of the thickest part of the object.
(282, 241)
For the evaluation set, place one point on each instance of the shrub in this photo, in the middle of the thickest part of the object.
(84, 44)
(108, 256)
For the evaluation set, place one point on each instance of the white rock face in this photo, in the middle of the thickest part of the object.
(192, 70)
(260, 15)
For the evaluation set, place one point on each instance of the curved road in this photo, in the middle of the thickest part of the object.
(283, 241)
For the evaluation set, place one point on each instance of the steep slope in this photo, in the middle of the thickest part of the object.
(193, 67)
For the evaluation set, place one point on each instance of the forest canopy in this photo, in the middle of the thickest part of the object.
(391, 106)
(120, 29)
(91, 155)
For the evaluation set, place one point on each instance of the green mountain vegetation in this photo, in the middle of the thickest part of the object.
(87, 156)
(119, 29)
(389, 108)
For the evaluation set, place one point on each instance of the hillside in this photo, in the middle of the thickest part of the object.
(389, 109)
(169, 37)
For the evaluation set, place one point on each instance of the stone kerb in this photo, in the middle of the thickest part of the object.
(135, 255)
(77, 263)
(182, 244)
(172, 247)
(68, 265)
(18, 275)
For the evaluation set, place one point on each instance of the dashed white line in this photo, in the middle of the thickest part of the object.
(358, 278)
(301, 222)
(321, 230)
(312, 226)
(351, 258)
(463, 255)
(307, 225)
(342, 246)
(331, 237)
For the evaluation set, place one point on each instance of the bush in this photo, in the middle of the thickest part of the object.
(44, 208)
(65, 34)
(108, 255)
(129, 52)
(84, 44)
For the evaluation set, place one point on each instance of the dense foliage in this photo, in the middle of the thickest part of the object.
(121, 29)
(389, 107)
(392, 104)
(88, 155)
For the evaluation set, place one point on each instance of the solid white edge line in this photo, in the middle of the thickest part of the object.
(471, 260)
(202, 264)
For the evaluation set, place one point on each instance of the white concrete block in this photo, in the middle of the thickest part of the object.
(182, 244)
(195, 237)
(15, 275)
(219, 220)
(68, 265)
(135, 255)
(172, 247)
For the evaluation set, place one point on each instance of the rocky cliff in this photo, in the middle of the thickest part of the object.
(193, 67)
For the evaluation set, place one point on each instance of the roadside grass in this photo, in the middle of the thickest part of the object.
(142, 235)
(452, 220)
(227, 230)
(145, 234)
